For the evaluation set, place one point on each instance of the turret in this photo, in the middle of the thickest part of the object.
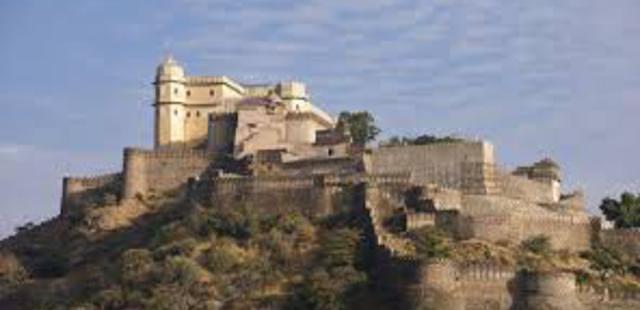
(169, 103)
(294, 95)
(545, 171)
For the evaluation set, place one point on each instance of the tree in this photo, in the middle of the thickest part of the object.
(625, 213)
(361, 126)
(421, 140)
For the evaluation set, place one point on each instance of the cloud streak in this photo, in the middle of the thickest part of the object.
(536, 78)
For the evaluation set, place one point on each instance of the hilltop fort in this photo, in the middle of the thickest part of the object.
(228, 144)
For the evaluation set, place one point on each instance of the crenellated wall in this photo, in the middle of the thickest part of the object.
(467, 166)
(78, 191)
(445, 285)
(159, 170)
(496, 218)
(270, 194)
(624, 240)
(519, 187)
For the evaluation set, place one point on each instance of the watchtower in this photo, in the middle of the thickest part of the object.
(169, 103)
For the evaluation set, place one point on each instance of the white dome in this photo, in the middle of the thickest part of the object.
(169, 69)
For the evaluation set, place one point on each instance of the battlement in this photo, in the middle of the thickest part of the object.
(214, 80)
(166, 152)
(485, 272)
(94, 180)
(607, 293)
(625, 240)
(77, 191)
(161, 169)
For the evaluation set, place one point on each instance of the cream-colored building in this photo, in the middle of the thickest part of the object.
(220, 114)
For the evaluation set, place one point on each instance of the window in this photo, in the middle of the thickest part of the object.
(175, 91)
(188, 114)
(175, 112)
(197, 113)
(188, 93)
(330, 152)
(211, 92)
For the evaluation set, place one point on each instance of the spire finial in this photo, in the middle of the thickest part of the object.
(168, 59)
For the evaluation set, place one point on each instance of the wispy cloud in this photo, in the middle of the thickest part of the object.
(556, 78)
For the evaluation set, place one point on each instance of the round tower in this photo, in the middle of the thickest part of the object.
(169, 103)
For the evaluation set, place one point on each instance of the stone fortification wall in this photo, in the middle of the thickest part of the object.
(77, 191)
(520, 187)
(321, 166)
(270, 194)
(444, 285)
(460, 165)
(497, 218)
(487, 286)
(161, 169)
(548, 290)
(625, 240)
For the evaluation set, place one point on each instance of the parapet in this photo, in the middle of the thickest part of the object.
(80, 191)
(292, 90)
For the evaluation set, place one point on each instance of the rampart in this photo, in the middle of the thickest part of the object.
(78, 191)
(496, 218)
(467, 166)
(160, 170)
(321, 166)
(269, 194)
(624, 240)
(519, 187)
(445, 285)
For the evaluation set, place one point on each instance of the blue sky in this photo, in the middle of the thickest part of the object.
(537, 78)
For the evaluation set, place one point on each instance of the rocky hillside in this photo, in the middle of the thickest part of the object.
(170, 252)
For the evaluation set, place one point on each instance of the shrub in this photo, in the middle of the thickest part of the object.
(340, 247)
(185, 247)
(431, 244)
(182, 271)
(233, 223)
(606, 260)
(12, 273)
(136, 266)
(539, 244)
(49, 263)
(220, 259)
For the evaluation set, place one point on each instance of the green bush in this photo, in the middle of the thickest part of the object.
(340, 247)
(220, 259)
(182, 271)
(136, 266)
(539, 244)
(238, 224)
(606, 260)
(431, 244)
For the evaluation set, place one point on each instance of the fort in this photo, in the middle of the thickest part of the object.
(230, 144)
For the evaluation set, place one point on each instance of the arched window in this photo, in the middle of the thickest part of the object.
(175, 112)
(211, 93)
(175, 91)
(197, 113)
(188, 114)
(188, 93)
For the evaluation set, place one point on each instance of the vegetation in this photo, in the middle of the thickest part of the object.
(420, 140)
(431, 243)
(625, 213)
(361, 126)
(539, 244)
(186, 256)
